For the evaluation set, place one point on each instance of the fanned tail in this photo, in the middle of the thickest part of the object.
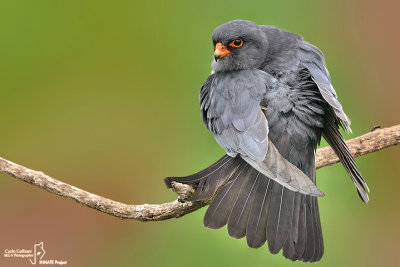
(258, 208)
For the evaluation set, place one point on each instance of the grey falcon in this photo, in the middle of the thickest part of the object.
(267, 103)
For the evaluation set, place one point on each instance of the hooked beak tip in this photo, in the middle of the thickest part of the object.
(220, 51)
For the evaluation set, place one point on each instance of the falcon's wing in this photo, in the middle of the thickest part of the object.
(313, 59)
(240, 127)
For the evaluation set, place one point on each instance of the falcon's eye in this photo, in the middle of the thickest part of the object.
(236, 43)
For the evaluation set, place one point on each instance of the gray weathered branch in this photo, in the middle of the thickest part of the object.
(370, 142)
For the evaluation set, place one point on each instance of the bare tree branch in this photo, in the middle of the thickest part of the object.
(370, 142)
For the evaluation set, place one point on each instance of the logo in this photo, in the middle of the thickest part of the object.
(38, 252)
(34, 255)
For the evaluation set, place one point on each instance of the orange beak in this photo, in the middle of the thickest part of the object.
(220, 51)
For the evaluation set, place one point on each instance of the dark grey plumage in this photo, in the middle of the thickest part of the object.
(267, 104)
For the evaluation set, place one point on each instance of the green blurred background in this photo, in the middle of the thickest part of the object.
(104, 95)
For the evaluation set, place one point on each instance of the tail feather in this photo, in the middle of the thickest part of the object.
(320, 241)
(274, 219)
(310, 231)
(301, 244)
(285, 219)
(289, 248)
(220, 208)
(256, 231)
(314, 246)
(238, 218)
(208, 181)
(194, 179)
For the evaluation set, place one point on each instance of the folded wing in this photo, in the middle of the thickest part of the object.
(234, 114)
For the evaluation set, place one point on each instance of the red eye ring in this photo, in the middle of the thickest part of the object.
(238, 42)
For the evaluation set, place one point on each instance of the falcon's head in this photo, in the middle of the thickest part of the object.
(238, 45)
